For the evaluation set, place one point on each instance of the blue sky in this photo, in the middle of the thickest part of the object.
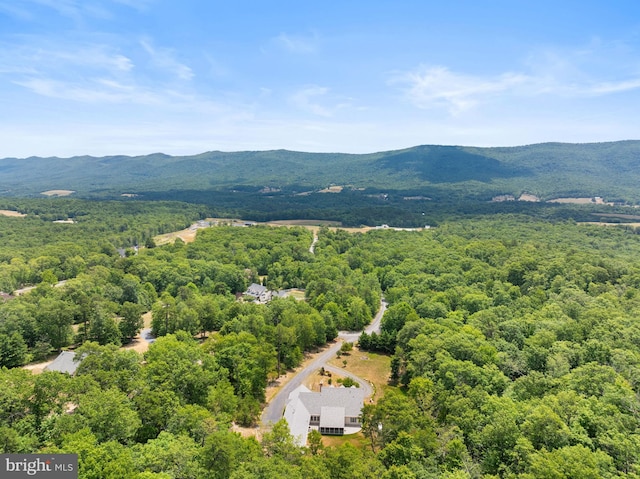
(105, 77)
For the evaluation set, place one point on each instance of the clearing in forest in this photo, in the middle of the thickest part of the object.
(188, 235)
(11, 213)
(57, 192)
(332, 189)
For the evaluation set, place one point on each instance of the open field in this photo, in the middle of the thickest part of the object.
(13, 214)
(618, 215)
(357, 440)
(332, 189)
(304, 223)
(188, 235)
(296, 293)
(579, 201)
(528, 197)
(57, 192)
(599, 223)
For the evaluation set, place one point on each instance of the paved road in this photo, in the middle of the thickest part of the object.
(21, 291)
(147, 336)
(375, 324)
(274, 410)
(364, 384)
(312, 248)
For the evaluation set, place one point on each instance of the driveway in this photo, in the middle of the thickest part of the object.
(274, 410)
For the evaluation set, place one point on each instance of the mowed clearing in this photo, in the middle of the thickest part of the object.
(188, 235)
(13, 214)
(58, 192)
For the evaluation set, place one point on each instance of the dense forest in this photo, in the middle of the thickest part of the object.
(514, 344)
(441, 173)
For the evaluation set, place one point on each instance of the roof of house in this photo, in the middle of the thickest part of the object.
(331, 404)
(332, 417)
(256, 289)
(350, 399)
(297, 416)
(65, 363)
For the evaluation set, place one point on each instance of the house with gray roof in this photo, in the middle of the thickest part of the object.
(261, 293)
(332, 411)
(66, 362)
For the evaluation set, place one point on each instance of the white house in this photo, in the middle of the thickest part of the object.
(332, 411)
(261, 293)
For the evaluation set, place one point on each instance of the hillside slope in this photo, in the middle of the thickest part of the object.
(547, 170)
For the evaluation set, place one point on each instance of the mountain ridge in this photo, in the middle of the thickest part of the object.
(547, 170)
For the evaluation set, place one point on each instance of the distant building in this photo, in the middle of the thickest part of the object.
(261, 293)
(332, 411)
(244, 224)
(66, 362)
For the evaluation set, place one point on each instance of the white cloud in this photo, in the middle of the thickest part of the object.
(93, 91)
(438, 86)
(31, 56)
(614, 87)
(165, 58)
(77, 10)
(305, 100)
(102, 91)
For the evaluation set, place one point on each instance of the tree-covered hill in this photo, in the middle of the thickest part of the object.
(514, 347)
(547, 170)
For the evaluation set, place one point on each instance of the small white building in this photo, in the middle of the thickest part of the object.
(332, 411)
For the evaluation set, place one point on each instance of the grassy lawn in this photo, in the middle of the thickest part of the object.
(357, 440)
(297, 293)
(373, 367)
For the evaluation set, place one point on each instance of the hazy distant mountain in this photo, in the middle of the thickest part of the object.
(549, 170)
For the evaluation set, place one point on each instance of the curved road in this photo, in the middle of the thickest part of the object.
(312, 248)
(274, 410)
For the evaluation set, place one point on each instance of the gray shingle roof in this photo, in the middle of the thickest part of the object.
(350, 399)
(331, 404)
(256, 289)
(297, 416)
(65, 363)
(332, 417)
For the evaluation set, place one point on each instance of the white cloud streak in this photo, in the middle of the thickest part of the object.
(305, 100)
(439, 87)
(77, 10)
(165, 58)
(34, 58)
